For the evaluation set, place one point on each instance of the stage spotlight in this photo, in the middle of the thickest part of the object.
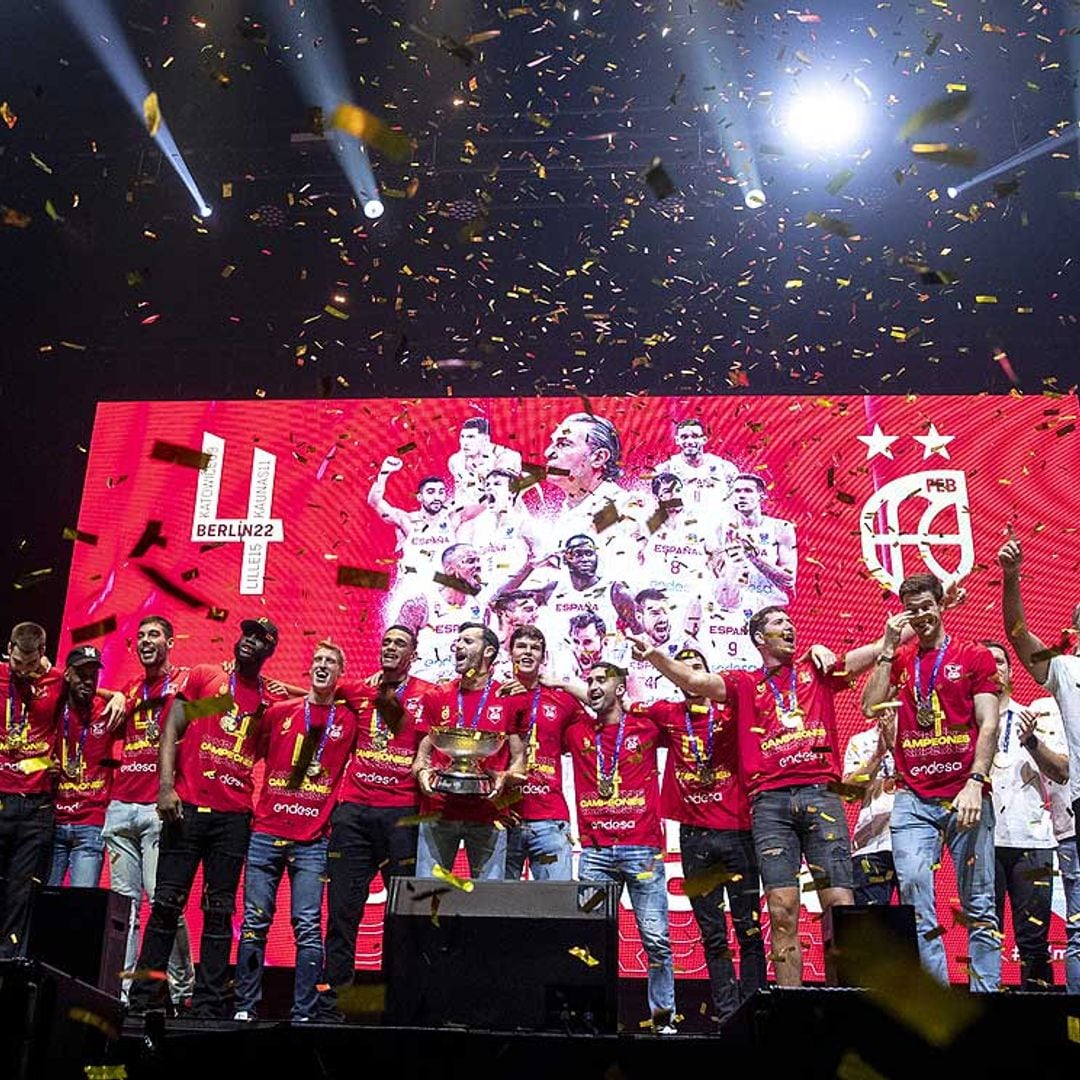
(754, 198)
(205, 210)
(824, 119)
(952, 192)
(373, 208)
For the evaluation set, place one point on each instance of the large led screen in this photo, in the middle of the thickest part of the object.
(334, 518)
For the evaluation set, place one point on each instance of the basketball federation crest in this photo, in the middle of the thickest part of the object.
(926, 513)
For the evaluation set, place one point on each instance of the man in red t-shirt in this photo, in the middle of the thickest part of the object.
(616, 782)
(307, 745)
(701, 790)
(540, 715)
(372, 828)
(943, 743)
(789, 758)
(205, 761)
(132, 831)
(82, 791)
(27, 743)
(448, 821)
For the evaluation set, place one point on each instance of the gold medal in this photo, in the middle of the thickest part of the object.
(381, 739)
(314, 770)
(707, 776)
(153, 729)
(790, 718)
(924, 716)
(605, 787)
(229, 724)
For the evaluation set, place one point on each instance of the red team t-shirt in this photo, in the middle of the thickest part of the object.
(379, 772)
(213, 763)
(82, 793)
(542, 730)
(439, 708)
(136, 779)
(805, 749)
(29, 732)
(631, 815)
(935, 761)
(699, 789)
(302, 813)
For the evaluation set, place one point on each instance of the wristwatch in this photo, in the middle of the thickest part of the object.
(977, 776)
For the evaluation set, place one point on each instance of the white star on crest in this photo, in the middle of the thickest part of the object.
(933, 442)
(877, 442)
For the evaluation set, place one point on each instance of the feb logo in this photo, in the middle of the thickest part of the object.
(925, 513)
(953, 672)
(257, 531)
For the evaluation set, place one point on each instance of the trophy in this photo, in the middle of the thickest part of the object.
(467, 750)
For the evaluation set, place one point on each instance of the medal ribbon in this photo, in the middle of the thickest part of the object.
(166, 687)
(16, 704)
(317, 759)
(792, 707)
(377, 725)
(64, 753)
(703, 761)
(533, 709)
(236, 705)
(926, 702)
(1008, 730)
(608, 776)
(479, 708)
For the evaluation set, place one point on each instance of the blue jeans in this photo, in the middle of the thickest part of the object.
(546, 844)
(267, 860)
(80, 849)
(1069, 865)
(485, 847)
(641, 869)
(918, 827)
(132, 834)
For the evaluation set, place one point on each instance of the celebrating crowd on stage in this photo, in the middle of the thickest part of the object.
(159, 775)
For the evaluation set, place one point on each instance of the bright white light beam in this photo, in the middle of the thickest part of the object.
(827, 118)
(1032, 152)
(103, 33)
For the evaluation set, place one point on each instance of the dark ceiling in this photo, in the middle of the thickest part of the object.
(522, 250)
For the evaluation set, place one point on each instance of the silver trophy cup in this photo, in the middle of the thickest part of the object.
(467, 749)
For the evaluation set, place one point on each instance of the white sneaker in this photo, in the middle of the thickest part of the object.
(667, 1029)
(243, 1014)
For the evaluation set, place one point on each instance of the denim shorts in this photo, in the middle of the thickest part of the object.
(792, 822)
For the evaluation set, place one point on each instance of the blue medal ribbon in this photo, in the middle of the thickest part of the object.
(926, 702)
(791, 708)
(316, 761)
(479, 708)
(64, 745)
(604, 775)
(16, 705)
(703, 762)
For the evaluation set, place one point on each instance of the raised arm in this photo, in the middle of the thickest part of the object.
(696, 683)
(1053, 765)
(1024, 642)
(376, 497)
(879, 688)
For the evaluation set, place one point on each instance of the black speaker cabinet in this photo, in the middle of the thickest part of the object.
(509, 955)
(888, 929)
(82, 932)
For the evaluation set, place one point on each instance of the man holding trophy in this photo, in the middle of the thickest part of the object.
(463, 761)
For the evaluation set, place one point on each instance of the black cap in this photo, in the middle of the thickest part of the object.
(84, 654)
(261, 626)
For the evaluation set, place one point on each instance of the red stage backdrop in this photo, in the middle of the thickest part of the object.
(857, 493)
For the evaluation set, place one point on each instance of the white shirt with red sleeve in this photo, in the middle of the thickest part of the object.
(935, 761)
(440, 708)
(83, 745)
(379, 773)
(630, 815)
(298, 807)
(216, 755)
(136, 778)
(786, 728)
(701, 785)
(541, 716)
(28, 735)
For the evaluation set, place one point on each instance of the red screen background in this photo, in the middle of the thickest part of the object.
(1017, 454)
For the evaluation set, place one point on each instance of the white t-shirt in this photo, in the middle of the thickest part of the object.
(1049, 729)
(1021, 800)
(872, 825)
(708, 481)
(1063, 681)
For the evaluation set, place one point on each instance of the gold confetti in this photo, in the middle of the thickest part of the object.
(361, 124)
(365, 579)
(207, 706)
(464, 884)
(85, 1016)
(581, 953)
(93, 630)
(179, 455)
(152, 113)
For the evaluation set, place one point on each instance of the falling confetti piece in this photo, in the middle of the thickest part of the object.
(580, 952)
(451, 581)
(80, 537)
(464, 884)
(85, 1016)
(152, 113)
(365, 579)
(179, 455)
(93, 630)
(943, 111)
(207, 706)
(361, 124)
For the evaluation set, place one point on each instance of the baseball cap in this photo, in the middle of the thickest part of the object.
(261, 626)
(84, 654)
